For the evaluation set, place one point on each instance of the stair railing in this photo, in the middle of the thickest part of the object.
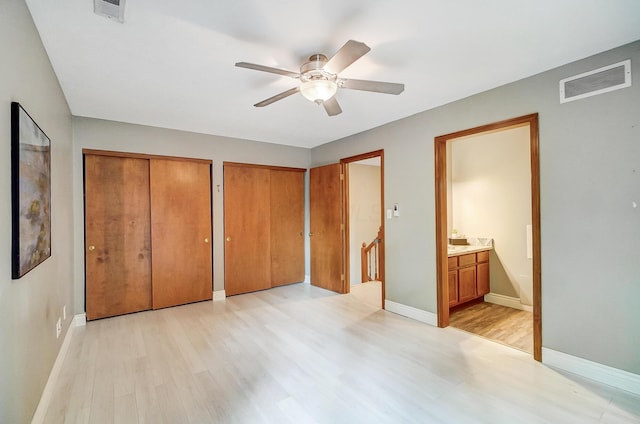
(370, 259)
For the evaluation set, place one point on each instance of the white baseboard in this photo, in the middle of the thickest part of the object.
(219, 295)
(307, 279)
(602, 373)
(79, 320)
(511, 302)
(411, 312)
(47, 393)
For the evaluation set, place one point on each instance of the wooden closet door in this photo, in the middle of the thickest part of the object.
(180, 232)
(247, 258)
(117, 236)
(287, 227)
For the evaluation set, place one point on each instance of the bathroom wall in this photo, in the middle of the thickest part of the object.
(364, 212)
(491, 197)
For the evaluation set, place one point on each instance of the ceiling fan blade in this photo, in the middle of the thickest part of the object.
(349, 53)
(268, 69)
(277, 97)
(375, 86)
(332, 107)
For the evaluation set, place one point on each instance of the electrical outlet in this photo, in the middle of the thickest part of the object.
(64, 313)
(58, 328)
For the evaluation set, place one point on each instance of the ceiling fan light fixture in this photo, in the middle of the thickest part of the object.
(318, 78)
(318, 90)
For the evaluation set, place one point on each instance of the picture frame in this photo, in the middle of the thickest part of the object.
(30, 193)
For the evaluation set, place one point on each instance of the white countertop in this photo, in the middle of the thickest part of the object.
(457, 250)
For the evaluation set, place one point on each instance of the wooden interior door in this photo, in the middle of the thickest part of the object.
(325, 199)
(117, 236)
(287, 227)
(181, 231)
(247, 257)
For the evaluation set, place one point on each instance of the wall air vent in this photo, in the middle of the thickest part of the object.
(598, 81)
(112, 9)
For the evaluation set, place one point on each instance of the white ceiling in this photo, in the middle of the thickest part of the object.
(171, 64)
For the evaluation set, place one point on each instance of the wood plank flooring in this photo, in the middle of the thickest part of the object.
(300, 354)
(510, 326)
(369, 293)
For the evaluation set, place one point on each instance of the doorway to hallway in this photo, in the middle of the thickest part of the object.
(330, 212)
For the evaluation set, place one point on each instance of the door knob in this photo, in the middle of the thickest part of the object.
(310, 234)
(300, 233)
(92, 248)
(228, 238)
(206, 240)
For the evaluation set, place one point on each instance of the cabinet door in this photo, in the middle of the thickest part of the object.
(287, 227)
(247, 257)
(467, 283)
(453, 288)
(482, 271)
(180, 232)
(117, 234)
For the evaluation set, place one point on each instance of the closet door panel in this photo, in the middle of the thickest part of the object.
(180, 232)
(247, 258)
(287, 227)
(117, 234)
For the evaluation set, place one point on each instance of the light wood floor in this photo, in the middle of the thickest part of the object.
(299, 354)
(369, 293)
(510, 326)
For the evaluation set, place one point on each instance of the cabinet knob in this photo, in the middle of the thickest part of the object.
(92, 248)
(206, 240)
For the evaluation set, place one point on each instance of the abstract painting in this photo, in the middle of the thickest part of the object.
(30, 192)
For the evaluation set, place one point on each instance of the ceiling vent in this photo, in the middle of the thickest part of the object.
(112, 9)
(598, 81)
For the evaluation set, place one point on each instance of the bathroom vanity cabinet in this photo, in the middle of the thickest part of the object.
(468, 277)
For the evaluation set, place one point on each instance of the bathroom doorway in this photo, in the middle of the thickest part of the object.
(486, 195)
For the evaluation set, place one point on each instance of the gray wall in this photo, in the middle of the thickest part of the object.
(117, 136)
(590, 177)
(30, 306)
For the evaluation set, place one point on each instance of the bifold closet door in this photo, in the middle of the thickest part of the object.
(247, 257)
(180, 231)
(287, 227)
(117, 236)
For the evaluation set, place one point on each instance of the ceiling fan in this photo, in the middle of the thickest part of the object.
(319, 78)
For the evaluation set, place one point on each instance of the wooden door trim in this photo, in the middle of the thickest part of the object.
(440, 145)
(271, 167)
(141, 156)
(345, 204)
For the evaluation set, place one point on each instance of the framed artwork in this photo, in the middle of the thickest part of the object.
(30, 193)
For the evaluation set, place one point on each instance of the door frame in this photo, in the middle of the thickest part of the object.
(345, 206)
(440, 145)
